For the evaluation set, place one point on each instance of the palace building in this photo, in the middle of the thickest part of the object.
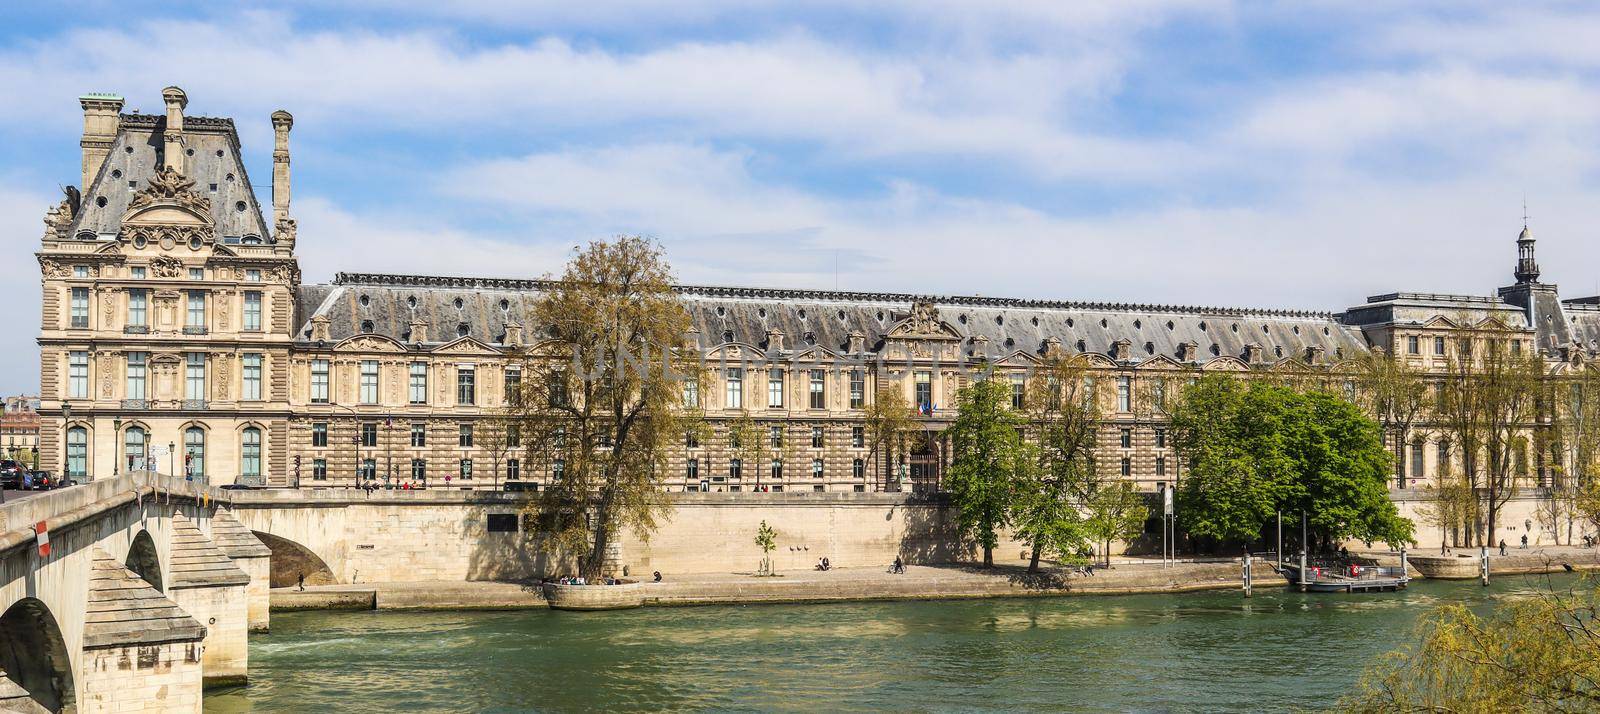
(177, 334)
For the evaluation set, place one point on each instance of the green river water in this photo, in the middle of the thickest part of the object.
(1213, 651)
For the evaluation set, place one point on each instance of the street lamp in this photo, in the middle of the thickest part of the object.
(66, 428)
(116, 433)
(172, 460)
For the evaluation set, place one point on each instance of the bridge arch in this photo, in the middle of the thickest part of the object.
(34, 655)
(144, 559)
(291, 560)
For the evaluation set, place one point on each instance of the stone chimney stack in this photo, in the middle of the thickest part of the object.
(99, 131)
(774, 340)
(282, 122)
(172, 147)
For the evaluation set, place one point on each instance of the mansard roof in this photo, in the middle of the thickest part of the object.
(482, 308)
(135, 158)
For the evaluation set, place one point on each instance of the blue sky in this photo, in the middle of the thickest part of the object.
(1299, 155)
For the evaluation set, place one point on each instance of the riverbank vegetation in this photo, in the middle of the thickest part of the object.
(1537, 653)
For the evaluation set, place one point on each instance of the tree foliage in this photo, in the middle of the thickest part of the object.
(990, 459)
(767, 540)
(1394, 392)
(1538, 653)
(1255, 449)
(601, 397)
(888, 421)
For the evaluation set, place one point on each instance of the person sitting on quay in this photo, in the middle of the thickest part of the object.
(657, 575)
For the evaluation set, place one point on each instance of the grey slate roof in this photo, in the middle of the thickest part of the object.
(134, 158)
(125, 610)
(197, 562)
(388, 304)
(235, 540)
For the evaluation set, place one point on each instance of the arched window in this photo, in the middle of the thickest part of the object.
(133, 447)
(78, 453)
(194, 453)
(250, 453)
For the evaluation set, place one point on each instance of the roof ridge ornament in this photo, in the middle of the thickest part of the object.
(170, 186)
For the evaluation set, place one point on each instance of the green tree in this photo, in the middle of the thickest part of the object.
(1115, 511)
(1392, 390)
(1538, 653)
(990, 459)
(1064, 414)
(747, 442)
(1255, 449)
(602, 399)
(767, 540)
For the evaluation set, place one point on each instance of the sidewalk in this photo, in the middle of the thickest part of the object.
(919, 582)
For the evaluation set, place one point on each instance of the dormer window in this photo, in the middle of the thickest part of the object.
(251, 239)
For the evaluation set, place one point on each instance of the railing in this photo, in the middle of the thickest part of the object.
(136, 330)
(135, 404)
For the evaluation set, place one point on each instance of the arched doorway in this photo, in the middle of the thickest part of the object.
(290, 561)
(145, 560)
(34, 655)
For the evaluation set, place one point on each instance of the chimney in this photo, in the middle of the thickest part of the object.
(1315, 353)
(514, 333)
(282, 122)
(419, 330)
(99, 131)
(857, 342)
(1188, 351)
(1120, 349)
(1252, 353)
(774, 340)
(172, 147)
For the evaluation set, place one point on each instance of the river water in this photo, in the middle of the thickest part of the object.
(1213, 651)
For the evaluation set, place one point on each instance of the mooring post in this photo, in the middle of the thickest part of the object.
(1404, 572)
(1484, 564)
(1247, 578)
(1303, 573)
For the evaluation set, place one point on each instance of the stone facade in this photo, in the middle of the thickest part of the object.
(174, 315)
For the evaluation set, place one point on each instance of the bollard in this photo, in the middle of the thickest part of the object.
(1484, 565)
(1247, 578)
(1405, 574)
(1303, 587)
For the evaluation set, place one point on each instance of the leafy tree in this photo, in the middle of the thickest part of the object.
(1392, 390)
(1116, 511)
(1256, 449)
(602, 397)
(888, 421)
(990, 458)
(1064, 412)
(1539, 653)
(767, 540)
(747, 442)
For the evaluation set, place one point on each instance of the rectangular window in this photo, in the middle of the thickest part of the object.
(252, 275)
(1127, 466)
(369, 434)
(136, 272)
(735, 389)
(858, 469)
(1161, 465)
(1416, 459)
(816, 437)
(252, 310)
(816, 468)
(777, 470)
(1019, 391)
(319, 469)
(1124, 394)
(513, 469)
(1161, 438)
(1516, 348)
(319, 381)
(419, 469)
(819, 384)
(197, 273)
(1125, 438)
(1438, 346)
(80, 307)
(502, 523)
(513, 436)
(464, 438)
(197, 309)
(858, 437)
(513, 386)
(80, 271)
(1413, 345)
(419, 383)
(78, 375)
(691, 440)
(466, 384)
(775, 389)
(923, 382)
(464, 471)
(419, 435)
(136, 376)
(691, 470)
(1443, 456)
(775, 436)
(858, 389)
(369, 381)
(319, 434)
(136, 308)
(735, 468)
(252, 377)
(369, 469)
(691, 393)
(194, 377)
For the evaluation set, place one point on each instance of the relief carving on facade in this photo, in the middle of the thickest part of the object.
(166, 266)
(107, 308)
(223, 377)
(169, 186)
(223, 301)
(924, 318)
(53, 269)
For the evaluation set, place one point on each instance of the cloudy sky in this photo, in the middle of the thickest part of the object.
(1294, 154)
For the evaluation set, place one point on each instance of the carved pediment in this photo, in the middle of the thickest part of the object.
(467, 345)
(923, 322)
(369, 343)
(172, 190)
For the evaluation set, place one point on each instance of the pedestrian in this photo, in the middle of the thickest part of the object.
(899, 566)
(302, 583)
(657, 575)
(1502, 546)
(1524, 541)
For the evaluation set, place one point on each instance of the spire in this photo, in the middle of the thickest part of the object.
(1527, 269)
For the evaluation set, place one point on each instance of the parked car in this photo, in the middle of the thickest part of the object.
(45, 480)
(11, 474)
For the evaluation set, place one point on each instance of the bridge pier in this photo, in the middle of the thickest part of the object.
(207, 585)
(253, 557)
(141, 652)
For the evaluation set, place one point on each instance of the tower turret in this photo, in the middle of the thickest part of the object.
(1527, 267)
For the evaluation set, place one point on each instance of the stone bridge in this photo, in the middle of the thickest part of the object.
(145, 596)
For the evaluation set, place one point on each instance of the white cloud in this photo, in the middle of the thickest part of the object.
(21, 221)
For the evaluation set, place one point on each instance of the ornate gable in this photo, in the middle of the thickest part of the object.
(369, 343)
(923, 323)
(168, 213)
(467, 346)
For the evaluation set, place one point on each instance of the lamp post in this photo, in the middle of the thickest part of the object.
(116, 433)
(66, 428)
(172, 460)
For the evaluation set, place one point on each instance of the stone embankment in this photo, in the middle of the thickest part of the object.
(799, 586)
(1463, 563)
